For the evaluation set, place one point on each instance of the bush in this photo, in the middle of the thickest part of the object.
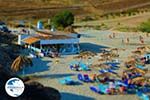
(63, 19)
(87, 18)
(47, 26)
(145, 26)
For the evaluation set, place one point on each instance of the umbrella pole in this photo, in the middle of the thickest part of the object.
(23, 71)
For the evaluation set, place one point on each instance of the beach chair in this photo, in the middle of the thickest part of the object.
(145, 97)
(80, 77)
(111, 71)
(142, 96)
(71, 67)
(103, 71)
(118, 83)
(95, 89)
(84, 67)
(103, 88)
(140, 67)
(84, 78)
(114, 64)
(67, 81)
(87, 78)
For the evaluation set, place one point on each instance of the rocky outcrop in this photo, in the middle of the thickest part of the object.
(33, 90)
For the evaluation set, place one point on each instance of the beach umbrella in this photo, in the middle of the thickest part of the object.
(131, 62)
(137, 52)
(20, 62)
(101, 66)
(138, 79)
(115, 50)
(106, 56)
(87, 54)
(107, 74)
(138, 70)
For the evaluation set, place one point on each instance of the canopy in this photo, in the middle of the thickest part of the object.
(30, 40)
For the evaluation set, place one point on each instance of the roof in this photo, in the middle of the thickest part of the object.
(54, 33)
(52, 37)
(30, 40)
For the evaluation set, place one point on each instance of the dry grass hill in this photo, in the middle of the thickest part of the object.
(15, 9)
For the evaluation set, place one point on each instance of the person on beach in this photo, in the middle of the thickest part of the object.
(110, 36)
(128, 40)
(147, 34)
(141, 39)
(122, 41)
(114, 35)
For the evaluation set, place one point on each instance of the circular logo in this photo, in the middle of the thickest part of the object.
(14, 87)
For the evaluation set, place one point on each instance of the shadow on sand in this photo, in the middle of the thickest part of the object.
(38, 66)
(54, 75)
(136, 44)
(91, 47)
(70, 96)
(87, 36)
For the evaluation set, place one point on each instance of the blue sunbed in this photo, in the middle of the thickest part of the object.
(67, 81)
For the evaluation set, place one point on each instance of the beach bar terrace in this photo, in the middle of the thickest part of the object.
(52, 42)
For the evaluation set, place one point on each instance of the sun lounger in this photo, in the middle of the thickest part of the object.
(145, 97)
(140, 67)
(67, 81)
(103, 88)
(80, 77)
(95, 89)
(103, 71)
(84, 67)
(111, 71)
(74, 68)
(84, 78)
(87, 78)
(145, 89)
(112, 63)
(120, 83)
(142, 96)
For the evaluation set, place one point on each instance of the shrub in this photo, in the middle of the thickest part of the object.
(87, 18)
(145, 26)
(63, 19)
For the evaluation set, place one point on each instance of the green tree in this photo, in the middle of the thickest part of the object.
(145, 26)
(63, 19)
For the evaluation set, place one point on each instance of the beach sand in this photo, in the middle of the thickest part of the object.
(92, 40)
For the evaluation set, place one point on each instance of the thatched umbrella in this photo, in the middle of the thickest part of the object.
(138, 70)
(86, 54)
(130, 63)
(115, 50)
(107, 74)
(138, 79)
(20, 62)
(137, 52)
(106, 56)
(101, 66)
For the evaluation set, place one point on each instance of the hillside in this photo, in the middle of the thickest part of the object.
(24, 9)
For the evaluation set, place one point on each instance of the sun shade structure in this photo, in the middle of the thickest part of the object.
(30, 40)
(46, 42)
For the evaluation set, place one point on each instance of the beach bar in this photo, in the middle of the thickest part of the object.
(51, 42)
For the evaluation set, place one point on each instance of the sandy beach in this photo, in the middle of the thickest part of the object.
(49, 71)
